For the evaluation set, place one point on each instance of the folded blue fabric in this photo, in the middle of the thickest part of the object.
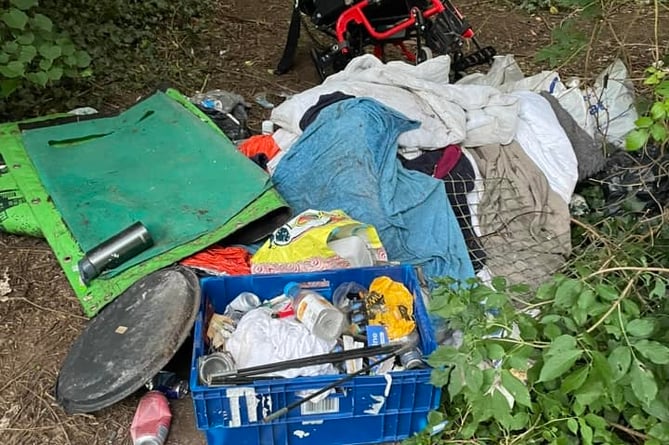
(347, 159)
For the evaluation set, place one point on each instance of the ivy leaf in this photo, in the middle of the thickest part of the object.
(566, 293)
(12, 70)
(15, 18)
(25, 38)
(640, 328)
(557, 365)
(586, 432)
(659, 132)
(24, 4)
(8, 86)
(39, 78)
(620, 360)
(572, 424)
(45, 64)
(40, 21)
(517, 389)
(11, 47)
(83, 59)
(49, 51)
(643, 383)
(27, 54)
(575, 380)
(653, 351)
(55, 73)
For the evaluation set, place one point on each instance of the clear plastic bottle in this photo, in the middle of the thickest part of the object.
(322, 318)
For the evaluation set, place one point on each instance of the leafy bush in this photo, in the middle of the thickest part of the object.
(586, 361)
(33, 50)
(655, 125)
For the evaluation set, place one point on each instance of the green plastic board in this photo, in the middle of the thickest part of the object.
(233, 205)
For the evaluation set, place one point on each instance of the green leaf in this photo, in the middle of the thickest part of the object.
(660, 289)
(55, 73)
(657, 111)
(566, 293)
(49, 51)
(637, 422)
(586, 432)
(660, 432)
(457, 381)
(24, 4)
(499, 284)
(643, 383)
(586, 299)
(517, 389)
(591, 390)
(474, 378)
(575, 380)
(636, 139)
(495, 351)
(630, 308)
(595, 421)
(658, 408)
(439, 377)
(519, 421)
(519, 288)
(653, 351)
(435, 417)
(40, 21)
(620, 360)
(8, 86)
(557, 365)
(83, 59)
(520, 358)
(546, 291)
(658, 132)
(501, 410)
(15, 18)
(39, 78)
(4, 58)
(45, 64)
(443, 356)
(601, 366)
(608, 293)
(27, 54)
(26, 38)
(12, 69)
(640, 328)
(580, 316)
(11, 47)
(552, 331)
(561, 344)
(663, 89)
(68, 49)
(572, 424)
(643, 122)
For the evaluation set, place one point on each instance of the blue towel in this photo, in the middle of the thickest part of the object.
(347, 159)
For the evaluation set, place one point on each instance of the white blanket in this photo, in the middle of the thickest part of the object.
(469, 115)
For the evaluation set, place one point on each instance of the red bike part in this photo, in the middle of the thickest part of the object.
(356, 15)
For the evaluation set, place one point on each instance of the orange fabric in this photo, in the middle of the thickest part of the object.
(263, 143)
(227, 260)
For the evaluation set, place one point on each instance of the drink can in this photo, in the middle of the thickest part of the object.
(169, 384)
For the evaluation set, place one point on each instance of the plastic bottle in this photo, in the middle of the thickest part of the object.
(152, 420)
(319, 315)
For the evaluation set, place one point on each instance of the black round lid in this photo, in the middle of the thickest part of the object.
(129, 341)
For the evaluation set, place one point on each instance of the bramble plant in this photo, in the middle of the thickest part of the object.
(654, 126)
(32, 50)
(584, 361)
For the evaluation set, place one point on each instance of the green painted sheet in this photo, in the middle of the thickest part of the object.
(156, 163)
(65, 245)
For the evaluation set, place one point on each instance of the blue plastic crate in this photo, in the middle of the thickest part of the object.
(364, 410)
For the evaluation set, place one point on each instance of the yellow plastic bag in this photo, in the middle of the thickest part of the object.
(319, 240)
(390, 304)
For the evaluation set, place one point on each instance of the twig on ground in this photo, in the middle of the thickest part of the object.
(45, 308)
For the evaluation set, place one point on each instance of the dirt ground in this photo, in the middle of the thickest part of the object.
(41, 317)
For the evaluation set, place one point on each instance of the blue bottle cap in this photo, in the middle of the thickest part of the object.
(291, 289)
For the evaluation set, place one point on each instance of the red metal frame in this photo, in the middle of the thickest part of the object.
(356, 15)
